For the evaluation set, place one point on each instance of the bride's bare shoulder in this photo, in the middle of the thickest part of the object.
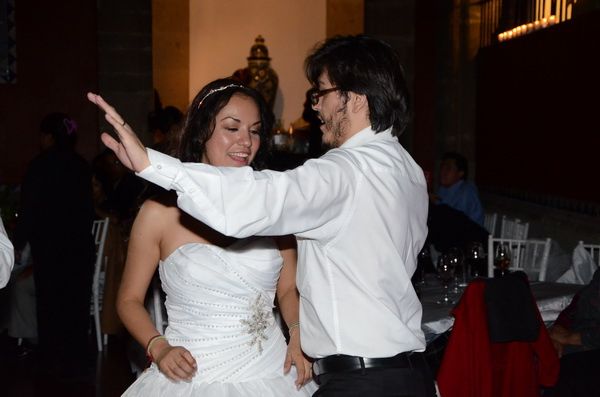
(159, 210)
(162, 202)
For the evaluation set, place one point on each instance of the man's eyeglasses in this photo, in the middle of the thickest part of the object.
(315, 95)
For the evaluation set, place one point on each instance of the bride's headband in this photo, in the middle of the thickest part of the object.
(209, 93)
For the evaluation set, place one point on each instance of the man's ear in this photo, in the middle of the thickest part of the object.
(359, 103)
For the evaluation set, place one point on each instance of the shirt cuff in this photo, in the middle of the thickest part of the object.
(162, 171)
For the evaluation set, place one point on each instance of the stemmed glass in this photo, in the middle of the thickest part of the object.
(445, 270)
(476, 259)
(423, 259)
(456, 257)
(502, 259)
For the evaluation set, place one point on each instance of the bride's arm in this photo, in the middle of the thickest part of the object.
(143, 255)
(287, 295)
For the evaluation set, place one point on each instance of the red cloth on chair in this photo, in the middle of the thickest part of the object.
(473, 366)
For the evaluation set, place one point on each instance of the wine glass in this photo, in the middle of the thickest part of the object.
(423, 259)
(445, 270)
(476, 259)
(502, 259)
(456, 258)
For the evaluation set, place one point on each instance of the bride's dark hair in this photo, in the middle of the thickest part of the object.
(189, 143)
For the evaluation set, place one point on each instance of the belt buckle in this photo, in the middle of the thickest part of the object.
(316, 368)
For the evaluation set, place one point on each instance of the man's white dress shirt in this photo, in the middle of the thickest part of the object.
(360, 216)
(7, 256)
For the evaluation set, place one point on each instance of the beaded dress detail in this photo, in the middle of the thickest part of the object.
(220, 307)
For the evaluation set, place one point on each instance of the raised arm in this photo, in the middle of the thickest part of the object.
(289, 301)
(307, 201)
(238, 202)
(7, 256)
(129, 149)
(142, 260)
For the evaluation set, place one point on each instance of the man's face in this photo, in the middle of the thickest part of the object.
(333, 113)
(449, 173)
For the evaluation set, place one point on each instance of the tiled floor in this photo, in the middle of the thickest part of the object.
(109, 374)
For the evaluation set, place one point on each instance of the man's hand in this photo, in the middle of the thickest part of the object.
(561, 336)
(129, 149)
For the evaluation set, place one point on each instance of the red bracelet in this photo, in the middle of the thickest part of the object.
(149, 345)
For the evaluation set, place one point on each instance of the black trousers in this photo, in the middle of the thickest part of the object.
(578, 375)
(380, 382)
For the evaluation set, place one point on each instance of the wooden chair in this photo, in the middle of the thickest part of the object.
(529, 255)
(489, 222)
(99, 230)
(156, 306)
(514, 228)
(593, 249)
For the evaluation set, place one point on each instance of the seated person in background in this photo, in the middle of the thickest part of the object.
(576, 337)
(455, 191)
(7, 256)
(167, 121)
(121, 190)
(450, 228)
(577, 328)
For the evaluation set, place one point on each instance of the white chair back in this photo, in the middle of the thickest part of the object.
(99, 231)
(594, 250)
(530, 256)
(489, 222)
(514, 229)
(156, 308)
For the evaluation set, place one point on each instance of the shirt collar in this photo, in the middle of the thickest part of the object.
(364, 136)
(455, 187)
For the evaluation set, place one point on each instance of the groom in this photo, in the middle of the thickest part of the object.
(359, 214)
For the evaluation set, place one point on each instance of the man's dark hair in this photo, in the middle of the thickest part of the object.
(461, 162)
(365, 66)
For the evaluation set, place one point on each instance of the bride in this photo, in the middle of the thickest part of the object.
(222, 339)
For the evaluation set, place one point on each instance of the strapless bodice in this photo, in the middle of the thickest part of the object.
(220, 305)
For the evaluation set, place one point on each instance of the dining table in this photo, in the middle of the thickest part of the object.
(551, 298)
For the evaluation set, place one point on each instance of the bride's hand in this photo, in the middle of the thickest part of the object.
(175, 362)
(129, 149)
(295, 357)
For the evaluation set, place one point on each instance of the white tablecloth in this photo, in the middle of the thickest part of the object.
(551, 299)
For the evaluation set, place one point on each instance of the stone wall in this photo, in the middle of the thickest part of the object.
(563, 226)
(125, 60)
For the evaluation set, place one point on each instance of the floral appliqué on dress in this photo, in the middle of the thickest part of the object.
(260, 319)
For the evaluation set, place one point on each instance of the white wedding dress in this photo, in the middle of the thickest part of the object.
(220, 307)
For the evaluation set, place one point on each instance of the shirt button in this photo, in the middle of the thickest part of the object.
(159, 167)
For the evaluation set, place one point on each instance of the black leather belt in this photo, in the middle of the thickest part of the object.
(342, 363)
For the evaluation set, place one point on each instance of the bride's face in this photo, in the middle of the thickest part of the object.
(236, 139)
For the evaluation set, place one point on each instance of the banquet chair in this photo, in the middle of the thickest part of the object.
(593, 249)
(498, 346)
(489, 222)
(513, 228)
(99, 231)
(154, 304)
(156, 307)
(528, 255)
